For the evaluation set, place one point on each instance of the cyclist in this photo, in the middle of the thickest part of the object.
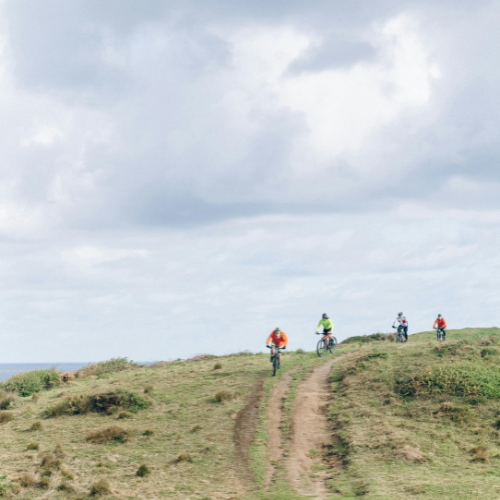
(327, 325)
(402, 321)
(278, 341)
(440, 324)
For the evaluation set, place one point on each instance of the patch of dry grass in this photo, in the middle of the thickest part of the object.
(6, 416)
(113, 433)
(101, 487)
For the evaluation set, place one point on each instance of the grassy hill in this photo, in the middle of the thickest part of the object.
(420, 419)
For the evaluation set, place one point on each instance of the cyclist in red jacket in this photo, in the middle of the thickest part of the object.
(441, 324)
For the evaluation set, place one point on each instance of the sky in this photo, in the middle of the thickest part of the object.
(181, 177)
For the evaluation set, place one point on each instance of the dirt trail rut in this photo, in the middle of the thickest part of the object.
(274, 414)
(310, 431)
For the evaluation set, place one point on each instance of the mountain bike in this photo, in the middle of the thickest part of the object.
(439, 334)
(400, 337)
(325, 345)
(274, 358)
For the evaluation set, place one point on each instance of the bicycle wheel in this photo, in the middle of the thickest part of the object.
(322, 348)
(334, 342)
(275, 364)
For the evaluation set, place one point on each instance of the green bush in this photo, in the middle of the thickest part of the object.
(364, 339)
(455, 379)
(105, 402)
(25, 384)
(110, 366)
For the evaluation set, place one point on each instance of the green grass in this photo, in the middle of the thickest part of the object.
(419, 419)
(25, 384)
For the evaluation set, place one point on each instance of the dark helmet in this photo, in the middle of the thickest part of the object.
(440, 316)
(277, 329)
(325, 316)
(400, 314)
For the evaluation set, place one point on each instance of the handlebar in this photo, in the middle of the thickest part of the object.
(268, 346)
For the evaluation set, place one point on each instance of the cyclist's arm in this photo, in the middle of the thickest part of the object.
(268, 341)
(285, 338)
(435, 323)
(444, 325)
(320, 323)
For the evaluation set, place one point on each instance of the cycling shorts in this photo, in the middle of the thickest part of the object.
(327, 331)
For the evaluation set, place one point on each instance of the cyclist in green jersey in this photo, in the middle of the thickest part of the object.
(327, 325)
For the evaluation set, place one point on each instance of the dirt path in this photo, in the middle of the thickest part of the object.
(274, 415)
(310, 431)
(244, 430)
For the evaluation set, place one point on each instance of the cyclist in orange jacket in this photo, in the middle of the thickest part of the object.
(278, 341)
(441, 324)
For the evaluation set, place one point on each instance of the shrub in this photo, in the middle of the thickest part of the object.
(223, 396)
(65, 486)
(28, 479)
(58, 451)
(66, 472)
(363, 339)
(106, 402)
(66, 378)
(50, 461)
(184, 457)
(100, 487)
(143, 470)
(33, 446)
(479, 454)
(148, 389)
(124, 414)
(110, 366)
(148, 432)
(218, 365)
(300, 351)
(196, 428)
(113, 433)
(36, 426)
(44, 483)
(6, 416)
(7, 402)
(25, 384)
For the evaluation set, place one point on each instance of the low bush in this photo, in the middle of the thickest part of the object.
(218, 365)
(66, 378)
(33, 446)
(196, 428)
(364, 339)
(111, 366)
(7, 402)
(124, 414)
(25, 384)
(36, 426)
(149, 389)
(50, 461)
(44, 483)
(106, 402)
(65, 486)
(113, 433)
(28, 479)
(100, 487)
(184, 457)
(6, 416)
(148, 433)
(143, 470)
(455, 379)
(479, 454)
(224, 396)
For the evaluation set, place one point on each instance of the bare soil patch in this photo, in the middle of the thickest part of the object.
(310, 433)
(244, 430)
(274, 414)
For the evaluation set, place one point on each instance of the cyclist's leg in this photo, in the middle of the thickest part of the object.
(443, 331)
(272, 352)
(406, 332)
(328, 333)
(278, 350)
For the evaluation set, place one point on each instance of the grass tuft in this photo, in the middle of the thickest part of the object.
(143, 470)
(28, 479)
(196, 428)
(110, 434)
(6, 416)
(33, 446)
(149, 389)
(183, 457)
(224, 396)
(218, 365)
(100, 488)
(148, 433)
(36, 426)
(50, 461)
(65, 486)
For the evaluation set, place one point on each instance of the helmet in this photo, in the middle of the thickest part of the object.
(400, 314)
(325, 316)
(440, 316)
(277, 329)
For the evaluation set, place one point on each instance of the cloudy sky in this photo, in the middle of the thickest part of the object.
(180, 177)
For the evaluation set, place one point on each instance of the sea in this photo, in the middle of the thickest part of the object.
(9, 369)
